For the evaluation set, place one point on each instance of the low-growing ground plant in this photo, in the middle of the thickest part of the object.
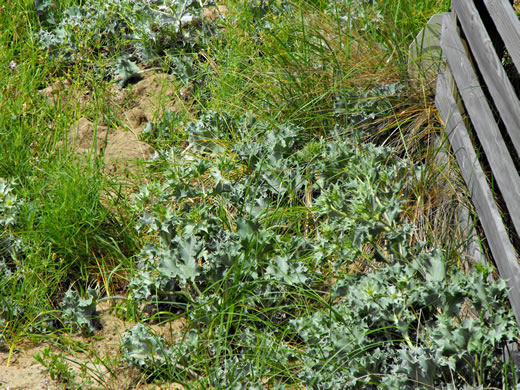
(231, 257)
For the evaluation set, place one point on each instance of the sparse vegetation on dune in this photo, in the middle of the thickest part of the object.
(247, 194)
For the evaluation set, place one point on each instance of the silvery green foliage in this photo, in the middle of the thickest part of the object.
(125, 70)
(9, 310)
(80, 311)
(10, 248)
(235, 373)
(403, 326)
(9, 204)
(143, 349)
(393, 328)
(44, 11)
(5, 272)
(10, 245)
(242, 367)
(356, 199)
(136, 30)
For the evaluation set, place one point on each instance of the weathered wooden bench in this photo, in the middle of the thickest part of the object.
(479, 105)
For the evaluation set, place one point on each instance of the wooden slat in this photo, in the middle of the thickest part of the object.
(482, 197)
(490, 66)
(508, 26)
(482, 119)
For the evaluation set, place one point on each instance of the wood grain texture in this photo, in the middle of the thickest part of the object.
(490, 66)
(482, 119)
(508, 25)
(482, 197)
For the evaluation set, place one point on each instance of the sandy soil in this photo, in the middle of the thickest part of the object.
(95, 361)
(142, 102)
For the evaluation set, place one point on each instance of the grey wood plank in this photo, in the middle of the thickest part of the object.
(482, 197)
(490, 65)
(482, 119)
(508, 26)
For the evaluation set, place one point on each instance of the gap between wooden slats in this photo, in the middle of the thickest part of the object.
(490, 66)
(482, 197)
(508, 25)
(482, 119)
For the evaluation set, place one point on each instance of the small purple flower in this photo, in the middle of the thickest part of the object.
(13, 66)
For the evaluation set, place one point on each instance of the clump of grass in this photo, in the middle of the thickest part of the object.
(67, 228)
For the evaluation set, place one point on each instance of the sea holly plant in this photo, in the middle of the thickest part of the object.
(9, 204)
(143, 349)
(81, 312)
(125, 70)
(355, 200)
(12, 249)
(225, 241)
(404, 326)
(44, 11)
(136, 32)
